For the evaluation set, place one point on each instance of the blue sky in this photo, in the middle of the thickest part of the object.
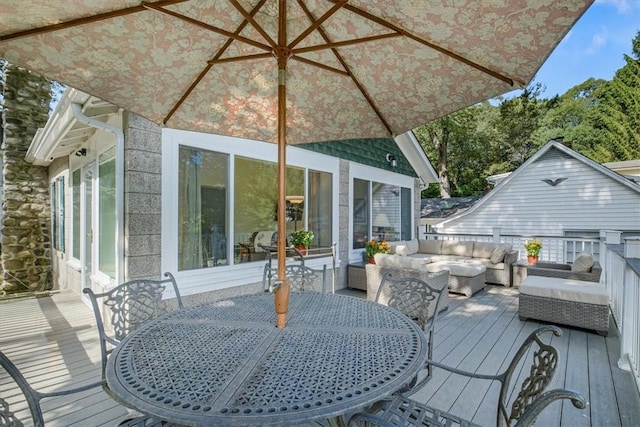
(594, 47)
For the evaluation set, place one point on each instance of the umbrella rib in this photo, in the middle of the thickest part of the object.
(84, 20)
(331, 45)
(240, 58)
(320, 65)
(204, 72)
(440, 49)
(254, 24)
(208, 27)
(316, 23)
(354, 79)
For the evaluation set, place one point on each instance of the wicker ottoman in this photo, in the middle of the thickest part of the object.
(565, 301)
(463, 278)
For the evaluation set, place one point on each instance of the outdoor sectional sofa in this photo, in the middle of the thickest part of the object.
(497, 258)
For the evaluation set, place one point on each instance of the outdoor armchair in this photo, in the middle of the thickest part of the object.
(519, 408)
(301, 278)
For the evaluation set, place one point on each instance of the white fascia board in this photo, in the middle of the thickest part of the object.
(414, 153)
(59, 123)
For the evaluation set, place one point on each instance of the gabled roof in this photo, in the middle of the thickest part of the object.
(553, 144)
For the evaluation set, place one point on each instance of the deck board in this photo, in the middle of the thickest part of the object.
(54, 342)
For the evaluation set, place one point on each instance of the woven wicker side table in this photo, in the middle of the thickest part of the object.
(356, 276)
(519, 272)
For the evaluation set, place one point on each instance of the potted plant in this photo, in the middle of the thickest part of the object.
(533, 248)
(373, 247)
(301, 240)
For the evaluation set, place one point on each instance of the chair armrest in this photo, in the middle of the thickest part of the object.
(510, 258)
(529, 416)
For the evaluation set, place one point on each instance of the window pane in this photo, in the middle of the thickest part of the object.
(107, 214)
(321, 208)
(75, 178)
(54, 216)
(202, 209)
(61, 213)
(255, 206)
(406, 213)
(360, 213)
(385, 208)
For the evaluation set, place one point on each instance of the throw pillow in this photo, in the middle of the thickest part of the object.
(412, 246)
(582, 263)
(430, 246)
(497, 256)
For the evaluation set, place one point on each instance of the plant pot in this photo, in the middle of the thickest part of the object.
(372, 260)
(532, 259)
(302, 250)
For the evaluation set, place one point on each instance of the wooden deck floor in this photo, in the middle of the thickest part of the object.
(53, 341)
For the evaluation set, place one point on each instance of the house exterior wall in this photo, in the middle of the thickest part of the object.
(142, 198)
(586, 200)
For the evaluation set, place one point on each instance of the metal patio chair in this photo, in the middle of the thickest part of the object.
(418, 300)
(130, 305)
(32, 397)
(301, 278)
(523, 410)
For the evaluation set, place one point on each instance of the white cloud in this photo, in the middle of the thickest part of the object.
(623, 6)
(598, 40)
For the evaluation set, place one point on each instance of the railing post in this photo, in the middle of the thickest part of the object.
(629, 325)
(610, 237)
(496, 234)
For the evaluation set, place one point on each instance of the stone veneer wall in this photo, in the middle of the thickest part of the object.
(142, 198)
(26, 212)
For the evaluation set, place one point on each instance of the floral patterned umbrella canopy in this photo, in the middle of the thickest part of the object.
(287, 71)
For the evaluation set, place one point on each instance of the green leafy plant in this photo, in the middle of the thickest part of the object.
(373, 247)
(533, 247)
(301, 238)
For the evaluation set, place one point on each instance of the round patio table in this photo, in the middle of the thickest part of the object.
(225, 363)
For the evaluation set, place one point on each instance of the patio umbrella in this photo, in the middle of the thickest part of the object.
(283, 71)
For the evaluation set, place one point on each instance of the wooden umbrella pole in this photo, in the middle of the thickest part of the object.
(282, 54)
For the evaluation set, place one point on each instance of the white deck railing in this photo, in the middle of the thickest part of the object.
(622, 278)
(620, 274)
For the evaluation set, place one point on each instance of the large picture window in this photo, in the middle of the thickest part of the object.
(206, 236)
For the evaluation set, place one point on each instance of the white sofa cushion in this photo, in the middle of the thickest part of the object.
(394, 246)
(413, 247)
(483, 249)
(455, 247)
(456, 269)
(499, 252)
(437, 258)
(582, 263)
(487, 263)
(430, 246)
(565, 289)
(397, 261)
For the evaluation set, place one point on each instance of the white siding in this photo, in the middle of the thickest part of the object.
(586, 200)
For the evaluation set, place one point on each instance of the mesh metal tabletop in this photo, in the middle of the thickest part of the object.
(225, 363)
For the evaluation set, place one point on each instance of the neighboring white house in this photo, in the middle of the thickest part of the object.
(133, 200)
(556, 192)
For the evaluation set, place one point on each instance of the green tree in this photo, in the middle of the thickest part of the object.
(616, 117)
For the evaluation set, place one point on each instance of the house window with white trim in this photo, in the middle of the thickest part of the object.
(57, 213)
(107, 213)
(381, 211)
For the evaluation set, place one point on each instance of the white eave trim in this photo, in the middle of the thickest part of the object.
(413, 152)
(60, 122)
